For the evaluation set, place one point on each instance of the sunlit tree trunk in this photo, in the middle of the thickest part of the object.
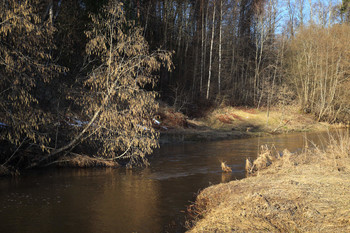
(220, 53)
(205, 39)
(260, 47)
(233, 74)
(211, 51)
(202, 48)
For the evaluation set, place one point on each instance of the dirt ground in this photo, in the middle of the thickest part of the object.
(307, 192)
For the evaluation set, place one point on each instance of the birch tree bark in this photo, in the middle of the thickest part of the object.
(211, 51)
(220, 52)
(202, 49)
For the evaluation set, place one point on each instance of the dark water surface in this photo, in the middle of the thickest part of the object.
(120, 200)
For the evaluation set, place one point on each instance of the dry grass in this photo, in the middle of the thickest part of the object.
(170, 119)
(278, 119)
(308, 192)
(227, 122)
(225, 119)
(225, 168)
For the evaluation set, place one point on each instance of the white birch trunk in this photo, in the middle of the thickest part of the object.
(220, 35)
(202, 50)
(211, 51)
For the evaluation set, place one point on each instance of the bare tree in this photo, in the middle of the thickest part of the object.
(317, 67)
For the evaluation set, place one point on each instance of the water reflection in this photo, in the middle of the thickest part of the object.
(226, 177)
(85, 200)
(120, 200)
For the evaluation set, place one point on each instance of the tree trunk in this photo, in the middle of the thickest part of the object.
(220, 35)
(165, 20)
(202, 49)
(311, 13)
(211, 51)
(205, 40)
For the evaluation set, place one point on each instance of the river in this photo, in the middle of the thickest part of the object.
(119, 200)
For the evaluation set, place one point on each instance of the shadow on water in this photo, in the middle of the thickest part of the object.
(120, 200)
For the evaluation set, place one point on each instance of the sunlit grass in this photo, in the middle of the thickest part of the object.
(284, 192)
(275, 120)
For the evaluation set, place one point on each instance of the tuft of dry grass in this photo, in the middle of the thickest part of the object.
(306, 192)
(264, 159)
(225, 119)
(225, 168)
(170, 118)
(237, 117)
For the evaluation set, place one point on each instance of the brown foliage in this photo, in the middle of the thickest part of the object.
(116, 106)
(26, 67)
(113, 96)
(225, 119)
(169, 118)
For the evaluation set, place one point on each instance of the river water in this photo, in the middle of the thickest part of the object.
(119, 200)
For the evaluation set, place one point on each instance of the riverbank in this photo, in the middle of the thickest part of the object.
(306, 192)
(234, 122)
(215, 123)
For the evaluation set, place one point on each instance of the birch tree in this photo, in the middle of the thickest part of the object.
(202, 47)
(220, 52)
(211, 51)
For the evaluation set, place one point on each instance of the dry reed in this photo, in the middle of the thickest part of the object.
(225, 168)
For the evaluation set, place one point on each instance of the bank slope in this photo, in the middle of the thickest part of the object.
(309, 192)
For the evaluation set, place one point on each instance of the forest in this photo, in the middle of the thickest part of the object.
(86, 77)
